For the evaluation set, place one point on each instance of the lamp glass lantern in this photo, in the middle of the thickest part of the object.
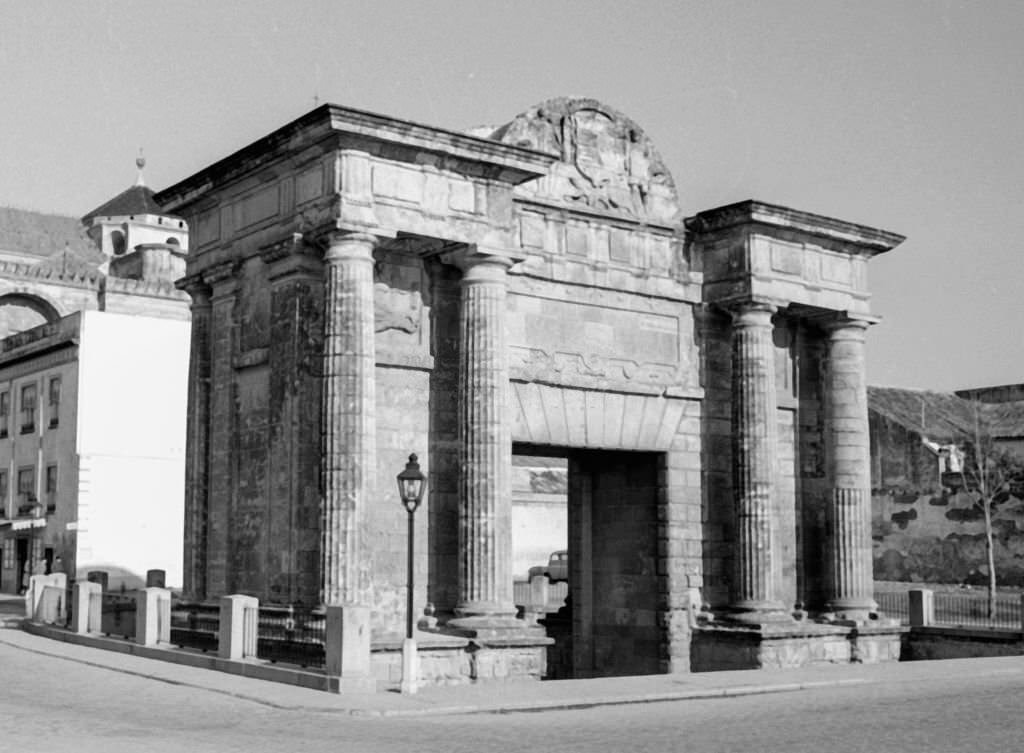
(411, 484)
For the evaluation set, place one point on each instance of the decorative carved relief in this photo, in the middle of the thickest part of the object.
(397, 297)
(608, 163)
(534, 364)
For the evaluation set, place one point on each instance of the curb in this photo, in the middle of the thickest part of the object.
(537, 706)
(581, 704)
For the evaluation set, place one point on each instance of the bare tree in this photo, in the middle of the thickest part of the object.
(986, 473)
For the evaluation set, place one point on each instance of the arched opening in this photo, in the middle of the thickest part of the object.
(173, 242)
(21, 311)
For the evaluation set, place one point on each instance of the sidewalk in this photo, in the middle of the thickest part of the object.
(513, 696)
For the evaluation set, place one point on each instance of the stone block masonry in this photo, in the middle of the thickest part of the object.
(365, 287)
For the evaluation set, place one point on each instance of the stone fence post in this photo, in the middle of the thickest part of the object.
(42, 609)
(922, 607)
(88, 607)
(239, 626)
(347, 649)
(153, 616)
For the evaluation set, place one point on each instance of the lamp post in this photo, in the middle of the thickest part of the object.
(411, 485)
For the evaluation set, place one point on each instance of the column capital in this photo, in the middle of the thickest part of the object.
(842, 322)
(752, 313)
(196, 286)
(480, 263)
(290, 256)
(221, 276)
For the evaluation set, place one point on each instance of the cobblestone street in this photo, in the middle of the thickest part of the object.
(56, 705)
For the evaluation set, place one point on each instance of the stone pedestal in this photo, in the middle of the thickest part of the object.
(410, 667)
(153, 616)
(87, 611)
(239, 621)
(758, 568)
(792, 645)
(349, 409)
(347, 649)
(848, 515)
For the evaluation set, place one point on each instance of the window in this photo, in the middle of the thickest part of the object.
(26, 490)
(118, 242)
(54, 401)
(3, 494)
(28, 408)
(51, 488)
(5, 412)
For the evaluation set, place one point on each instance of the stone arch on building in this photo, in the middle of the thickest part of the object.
(23, 309)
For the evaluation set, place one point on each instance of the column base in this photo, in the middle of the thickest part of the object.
(801, 644)
(851, 611)
(491, 627)
(754, 613)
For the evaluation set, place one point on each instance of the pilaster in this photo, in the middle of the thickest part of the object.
(220, 436)
(295, 272)
(848, 514)
(349, 408)
(197, 431)
(758, 567)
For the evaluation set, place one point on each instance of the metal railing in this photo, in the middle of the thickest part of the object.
(965, 609)
(195, 625)
(117, 615)
(292, 635)
(895, 604)
(971, 610)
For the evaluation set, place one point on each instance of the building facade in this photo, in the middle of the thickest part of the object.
(92, 399)
(364, 287)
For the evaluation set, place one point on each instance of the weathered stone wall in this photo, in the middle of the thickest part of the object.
(923, 643)
(925, 533)
(940, 538)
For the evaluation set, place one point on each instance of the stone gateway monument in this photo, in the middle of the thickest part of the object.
(365, 287)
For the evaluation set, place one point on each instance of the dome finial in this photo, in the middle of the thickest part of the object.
(140, 162)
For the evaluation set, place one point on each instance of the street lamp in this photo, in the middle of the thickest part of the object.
(411, 485)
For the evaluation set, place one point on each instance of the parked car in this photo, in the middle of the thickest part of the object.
(558, 566)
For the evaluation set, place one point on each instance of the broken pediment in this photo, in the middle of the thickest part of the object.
(606, 162)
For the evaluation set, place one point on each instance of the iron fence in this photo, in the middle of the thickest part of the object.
(957, 609)
(117, 615)
(292, 635)
(195, 625)
(895, 604)
(69, 602)
(972, 610)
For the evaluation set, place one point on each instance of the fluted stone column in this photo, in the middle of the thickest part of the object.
(197, 439)
(758, 568)
(485, 443)
(349, 426)
(848, 516)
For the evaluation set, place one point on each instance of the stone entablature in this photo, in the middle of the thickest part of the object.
(339, 167)
(753, 250)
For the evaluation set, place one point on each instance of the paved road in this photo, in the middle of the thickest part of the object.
(53, 705)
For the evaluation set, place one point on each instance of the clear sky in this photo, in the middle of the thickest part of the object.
(908, 116)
